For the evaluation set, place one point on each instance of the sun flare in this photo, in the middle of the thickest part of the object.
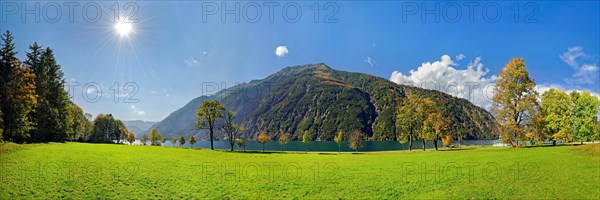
(123, 28)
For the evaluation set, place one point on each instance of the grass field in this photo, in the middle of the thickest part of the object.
(77, 170)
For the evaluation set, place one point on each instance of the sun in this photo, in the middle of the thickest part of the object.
(123, 28)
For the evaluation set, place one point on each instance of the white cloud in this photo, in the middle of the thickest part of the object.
(140, 112)
(370, 61)
(470, 83)
(584, 73)
(460, 56)
(570, 57)
(281, 51)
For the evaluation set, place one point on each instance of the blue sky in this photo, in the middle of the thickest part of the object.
(175, 47)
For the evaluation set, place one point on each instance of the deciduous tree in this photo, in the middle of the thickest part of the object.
(131, 137)
(357, 140)
(339, 138)
(173, 141)
(163, 140)
(584, 116)
(208, 113)
(284, 138)
(154, 137)
(241, 142)
(306, 138)
(230, 128)
(144, 139)
(557, 106)
(192, 141)
(181, 141)
(513, 101)
(263, 138)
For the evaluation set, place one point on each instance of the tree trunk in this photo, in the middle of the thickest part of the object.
(339, 148)
(435, 144)
(581, 141)
(231, 146)
(410, 142)
(553, 142)
(211, 139)
(263, 147)
(423, 144)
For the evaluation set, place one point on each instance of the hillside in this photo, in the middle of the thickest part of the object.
(138, 126)
(322, 100)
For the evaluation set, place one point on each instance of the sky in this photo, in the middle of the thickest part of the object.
(142, 60)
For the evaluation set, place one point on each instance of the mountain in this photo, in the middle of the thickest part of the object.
(322, 100)
(138, 126)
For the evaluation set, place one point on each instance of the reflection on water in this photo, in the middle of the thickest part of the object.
(328, 145)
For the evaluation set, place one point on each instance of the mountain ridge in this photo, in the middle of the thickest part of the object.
(323, 100)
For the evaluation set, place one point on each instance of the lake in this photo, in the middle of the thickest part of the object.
(328, 145)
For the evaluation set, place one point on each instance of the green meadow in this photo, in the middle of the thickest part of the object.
(80, 170)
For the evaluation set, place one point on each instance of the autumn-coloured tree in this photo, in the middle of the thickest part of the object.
(284, 138)
(131, 137)
(514, 100)
(356, 140)
(557, 106)
(155, 137)
(339, 138)
(207, 115)
(447, 140)
(22, 97)
(263, 138)
(306, 138)
(440, 125)
(192, 141)
(181, 141)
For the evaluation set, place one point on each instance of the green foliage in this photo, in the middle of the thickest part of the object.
(514, 100)
(230, 128)
(192, 141)
(163, 140)
(208, 113)
(181, 141)
(306, 138)
(173, 141)
(557, 106)
(36, 106)
(53, 112)
(107, 129)
(81, 125)
(410, 118)
(584, 117)
(339, 138)
(241, 142)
